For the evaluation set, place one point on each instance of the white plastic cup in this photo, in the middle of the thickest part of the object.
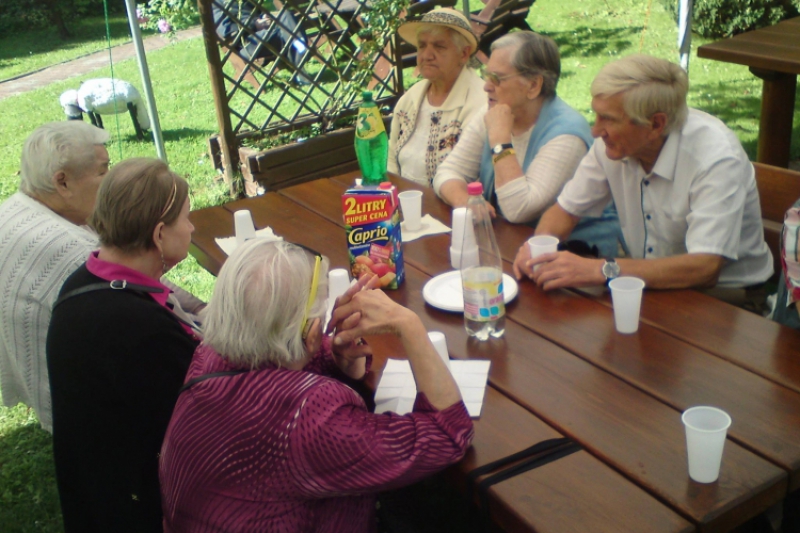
(243, 225)
(411, 204)
(542, 244)
(706, 428)
(462, 228)
(440, 343)
(338, 283)
(626, 294)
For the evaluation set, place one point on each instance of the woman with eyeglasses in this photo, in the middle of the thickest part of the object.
(118, 349)
(429, 118)
(268, 436)
(527, 144)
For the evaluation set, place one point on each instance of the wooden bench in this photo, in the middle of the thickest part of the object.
(497, 19)
(778, 189)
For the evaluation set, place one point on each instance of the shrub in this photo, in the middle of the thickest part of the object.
(723, 18)
(22, 15)
(166, 16)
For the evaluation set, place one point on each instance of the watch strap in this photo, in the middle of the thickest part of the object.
(497, 149)
(501, 155)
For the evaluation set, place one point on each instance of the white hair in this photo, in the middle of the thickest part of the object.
(649, 85)
(54, 147)
(456, 38)
(256, 311)
(533, 55)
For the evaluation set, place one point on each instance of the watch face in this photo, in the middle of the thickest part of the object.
(499, 148)
(611, 269)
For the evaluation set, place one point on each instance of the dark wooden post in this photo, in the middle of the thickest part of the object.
(775, 127)
(227, 140)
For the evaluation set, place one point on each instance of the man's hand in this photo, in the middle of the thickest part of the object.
(521, 262)
(564, 269)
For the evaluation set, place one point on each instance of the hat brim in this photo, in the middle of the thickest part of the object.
(408, 32)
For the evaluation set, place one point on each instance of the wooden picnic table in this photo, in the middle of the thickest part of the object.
(773, 54)
(562, 370)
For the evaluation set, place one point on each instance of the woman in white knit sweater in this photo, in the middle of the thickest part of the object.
(43, 239)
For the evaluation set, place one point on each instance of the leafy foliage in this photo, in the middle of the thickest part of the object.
(18, 16)
(723, 18)
(382, 20)
(167, 16)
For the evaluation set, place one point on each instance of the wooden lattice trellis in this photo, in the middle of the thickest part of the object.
(265, 84)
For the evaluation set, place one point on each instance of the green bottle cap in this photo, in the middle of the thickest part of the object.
(367, 95)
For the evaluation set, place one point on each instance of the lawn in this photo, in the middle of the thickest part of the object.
(589, 32)
(28, 52)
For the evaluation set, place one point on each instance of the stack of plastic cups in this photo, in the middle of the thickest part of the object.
(462, 254)
(243, 224)
(440, 343)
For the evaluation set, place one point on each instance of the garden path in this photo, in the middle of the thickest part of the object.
(82, 65)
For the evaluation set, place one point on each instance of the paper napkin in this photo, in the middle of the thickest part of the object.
(428, 226)
(228, 244)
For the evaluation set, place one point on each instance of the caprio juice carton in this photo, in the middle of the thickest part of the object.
(372, 224)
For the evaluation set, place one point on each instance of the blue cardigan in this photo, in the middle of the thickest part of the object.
(556, 118)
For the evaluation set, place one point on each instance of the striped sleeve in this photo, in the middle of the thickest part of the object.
(339, 448)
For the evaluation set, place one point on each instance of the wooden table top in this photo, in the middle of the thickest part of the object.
(774, 48)
(562, 369)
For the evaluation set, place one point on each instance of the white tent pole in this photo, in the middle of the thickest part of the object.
(685, 32)
(146, 85)
(465, 6)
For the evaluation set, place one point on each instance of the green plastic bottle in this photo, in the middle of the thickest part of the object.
(372, 144)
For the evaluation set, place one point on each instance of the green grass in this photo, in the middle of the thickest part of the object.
(589, 32)
(31, 51)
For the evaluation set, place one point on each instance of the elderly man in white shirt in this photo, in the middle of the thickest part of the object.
(684, 188)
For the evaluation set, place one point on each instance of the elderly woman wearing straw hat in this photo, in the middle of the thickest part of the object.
(431, 115)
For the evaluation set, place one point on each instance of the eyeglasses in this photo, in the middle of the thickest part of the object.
(312, 295)
(494, 79)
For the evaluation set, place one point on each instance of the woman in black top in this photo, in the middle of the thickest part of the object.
(117, 358)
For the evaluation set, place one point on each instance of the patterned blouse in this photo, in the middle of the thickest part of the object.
(446, 122)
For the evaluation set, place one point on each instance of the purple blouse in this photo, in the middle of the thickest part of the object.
(293, 451)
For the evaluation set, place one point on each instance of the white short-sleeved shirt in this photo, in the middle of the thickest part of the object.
(700, 197)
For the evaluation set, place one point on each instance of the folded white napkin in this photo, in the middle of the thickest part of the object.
(397, 390)
(428, 226)
(228, 244)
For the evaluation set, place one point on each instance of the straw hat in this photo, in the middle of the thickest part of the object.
(445, 17)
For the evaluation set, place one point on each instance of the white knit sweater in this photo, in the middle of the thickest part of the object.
(38, 251)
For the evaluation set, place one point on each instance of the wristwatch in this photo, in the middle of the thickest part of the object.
(610, 269)
(498, 148)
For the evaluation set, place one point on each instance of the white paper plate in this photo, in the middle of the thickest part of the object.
(444, 291)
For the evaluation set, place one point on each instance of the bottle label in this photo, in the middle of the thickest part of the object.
(483, 295)
(369, 123)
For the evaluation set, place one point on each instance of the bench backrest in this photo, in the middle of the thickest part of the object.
(778, 189)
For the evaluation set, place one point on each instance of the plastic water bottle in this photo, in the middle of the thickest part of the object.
(482, 277)
(372, 144)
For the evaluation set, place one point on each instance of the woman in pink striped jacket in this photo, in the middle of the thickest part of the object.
(267, 436)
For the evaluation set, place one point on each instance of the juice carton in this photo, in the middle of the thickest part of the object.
(372, 224)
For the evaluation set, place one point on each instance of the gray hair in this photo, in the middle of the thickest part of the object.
(534, 55)
(649, 85)
(57, 146)
(256, 311)
(456, 38)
